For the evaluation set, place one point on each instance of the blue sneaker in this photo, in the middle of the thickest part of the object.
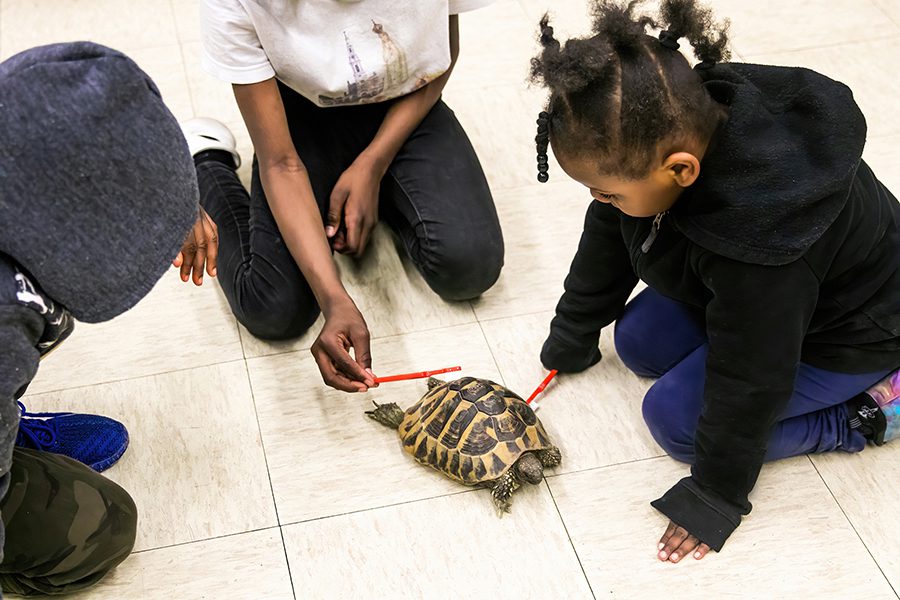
(93, 440)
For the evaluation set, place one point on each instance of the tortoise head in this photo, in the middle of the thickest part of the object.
(529, 468)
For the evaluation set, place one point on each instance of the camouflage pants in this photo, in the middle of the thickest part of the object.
(66, 526)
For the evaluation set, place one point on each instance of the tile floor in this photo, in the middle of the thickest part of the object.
(256, 481)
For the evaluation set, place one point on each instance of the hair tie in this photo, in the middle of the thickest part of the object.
(542, 140)
(669, 39)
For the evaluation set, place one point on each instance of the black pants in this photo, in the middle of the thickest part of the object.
(434, 196)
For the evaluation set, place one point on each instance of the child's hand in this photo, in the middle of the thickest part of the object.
(200, 249)
(353, 211)
(677, 543)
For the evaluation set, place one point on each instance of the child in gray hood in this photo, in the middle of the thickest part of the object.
(98, 194)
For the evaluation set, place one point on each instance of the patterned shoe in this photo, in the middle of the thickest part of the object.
(93, 440)
(876, 412)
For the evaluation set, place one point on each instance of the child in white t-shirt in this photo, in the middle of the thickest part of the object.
(342, 102)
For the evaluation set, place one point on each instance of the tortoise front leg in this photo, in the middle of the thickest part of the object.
(503, 490)
(551, 457)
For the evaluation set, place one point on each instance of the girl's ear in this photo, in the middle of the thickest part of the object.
(682, 167)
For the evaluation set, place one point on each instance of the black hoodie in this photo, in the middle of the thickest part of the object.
(789, 244)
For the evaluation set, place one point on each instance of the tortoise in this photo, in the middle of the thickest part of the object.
(476, 432)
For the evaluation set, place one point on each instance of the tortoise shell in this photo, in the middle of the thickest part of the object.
(472, 430)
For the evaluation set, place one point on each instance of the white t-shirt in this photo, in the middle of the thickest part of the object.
(333, 52)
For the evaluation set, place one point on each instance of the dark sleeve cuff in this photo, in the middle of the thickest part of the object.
(708, 518)
(567, 357)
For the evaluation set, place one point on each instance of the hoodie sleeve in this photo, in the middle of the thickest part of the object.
(756, 323)
(20, 330)
(598, 285)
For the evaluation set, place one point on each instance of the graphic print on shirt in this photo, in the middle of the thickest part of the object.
(396, 71)
(370, 87)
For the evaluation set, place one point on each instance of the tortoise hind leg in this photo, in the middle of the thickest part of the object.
(389, 415)
(434, 382)
(502, 491)
(550, 457)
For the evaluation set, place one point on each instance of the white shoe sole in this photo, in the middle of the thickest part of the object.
(208, 134)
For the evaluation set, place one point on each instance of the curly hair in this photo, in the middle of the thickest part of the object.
(620, 94)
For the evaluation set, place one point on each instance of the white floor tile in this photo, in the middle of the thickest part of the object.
(135, 25)
(771, 26)
(494, 46)
(447, 547)
(542, 224)
(795, 543)
(891, 8)
(195, 465)
(500, 121)
(177, 326)
(251, 565)
(212, 97)
(325, 456)
(187, 19)
(594, 416)
(867, 486)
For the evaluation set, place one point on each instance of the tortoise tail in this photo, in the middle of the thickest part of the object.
(389, 415)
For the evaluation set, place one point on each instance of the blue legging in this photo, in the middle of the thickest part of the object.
(661, 338)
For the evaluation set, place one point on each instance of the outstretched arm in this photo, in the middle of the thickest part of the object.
(293, 204)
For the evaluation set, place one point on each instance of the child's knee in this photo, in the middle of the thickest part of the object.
(672, 434)
(464, 271)
(632, 347)
(279, 316)
(79, 512)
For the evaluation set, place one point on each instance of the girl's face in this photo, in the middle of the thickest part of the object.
(646, 197)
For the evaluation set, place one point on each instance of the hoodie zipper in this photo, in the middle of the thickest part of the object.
(654, 231)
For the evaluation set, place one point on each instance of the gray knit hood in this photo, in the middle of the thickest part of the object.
(97, 187)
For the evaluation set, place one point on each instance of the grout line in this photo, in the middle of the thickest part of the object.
(215, 537)
(609, 466)
(457, 493)
(190, 93)
(379, 507)
(241, 338)
(262, 442)
(885, 13)
(371, 508)
(124, 379)
(491, 350)
(287, 562)
(518, 315)
(852, 526)
(175, 21)
(569, 535)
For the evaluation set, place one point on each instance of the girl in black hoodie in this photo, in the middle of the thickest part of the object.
(737, 193)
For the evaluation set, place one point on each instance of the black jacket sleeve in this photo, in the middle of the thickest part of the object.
(598, 285)
(756, 323)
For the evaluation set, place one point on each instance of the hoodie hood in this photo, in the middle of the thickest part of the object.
(779, 170)
(97, 187)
